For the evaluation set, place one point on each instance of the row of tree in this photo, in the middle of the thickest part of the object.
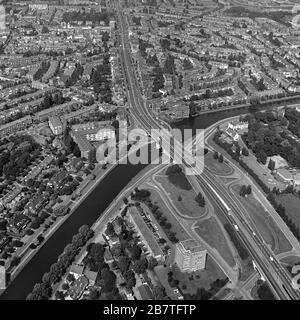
(218, 157)
(245, 190)
(43, 290)
(159, 216)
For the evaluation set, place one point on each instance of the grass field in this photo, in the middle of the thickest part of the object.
(263, 172)
(227, 180)
(188, 205)
(264, 223)
(292, 207)
(291, 260)
(210, 231)
(199, 279)
(181, 234)
(215, 166)
(190, 282)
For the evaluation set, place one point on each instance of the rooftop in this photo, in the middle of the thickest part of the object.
(191, 245)
(146, 232)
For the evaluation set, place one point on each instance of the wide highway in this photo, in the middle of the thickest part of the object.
(267, 263)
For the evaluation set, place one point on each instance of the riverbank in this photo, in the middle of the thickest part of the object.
(27, 254)
(101, 192)
(60, 220)
(93, 203)
(112, 211)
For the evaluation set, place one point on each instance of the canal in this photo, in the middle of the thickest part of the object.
(88, 212)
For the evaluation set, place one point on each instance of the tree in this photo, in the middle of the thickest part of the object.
(59, 295)
(216, 155)
(243, 191)
(248, 189)
(40, 291)
(271, 165)
(45, 29)
(15, 261)
(123, 263)
(245, 152)
(136, 252)
(159, 293)
(108, 280)
(237, 149)
(261, 157)
(70, 277)
(65, 286)
(161, 241)
(130, 279)
(110, 230)
(3, 224)
(140, 266)
(221, 158)
(93, 294)
(152, 263)
(200, 200)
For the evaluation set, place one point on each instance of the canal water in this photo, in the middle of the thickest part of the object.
(88, 212)
(206, 120)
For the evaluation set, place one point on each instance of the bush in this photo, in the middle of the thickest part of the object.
(29, 232)
(177, 177)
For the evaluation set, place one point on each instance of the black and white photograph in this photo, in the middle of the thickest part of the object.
(149, 150)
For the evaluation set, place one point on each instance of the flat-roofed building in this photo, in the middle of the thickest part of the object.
(106, 133)
(56, 110)
(80, 112)
(190, 256)
(285, 175)
(146, 234)
(55, 125)
(14, 126)
(87, 150)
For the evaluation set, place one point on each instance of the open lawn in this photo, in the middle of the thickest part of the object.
(190, 282)
(262, 172)
(181, 234)
(199, 279)
(264, 223)
(210, 231)
(227, 180)
(215, 166)
(290, 260)
(184, 200)
(292, 207)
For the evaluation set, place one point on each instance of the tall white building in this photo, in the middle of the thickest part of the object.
(55, 125)
(190, 256)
